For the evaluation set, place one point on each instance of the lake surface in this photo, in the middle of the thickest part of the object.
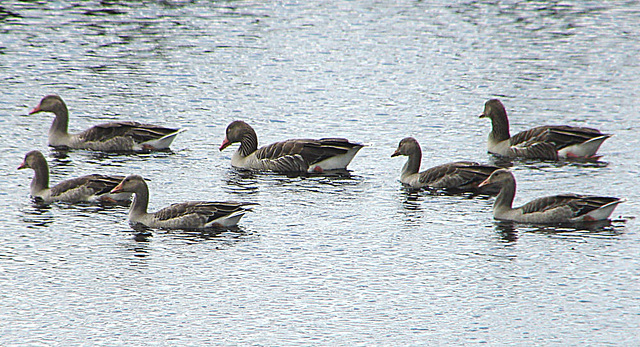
(346, 260)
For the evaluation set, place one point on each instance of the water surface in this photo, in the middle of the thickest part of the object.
(323, 260)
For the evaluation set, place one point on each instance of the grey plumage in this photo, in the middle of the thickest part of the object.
(460, 176)
(87, 188)
(295, 155)
(191, 215)
(109, 137)
(563, 208)
(547, 142)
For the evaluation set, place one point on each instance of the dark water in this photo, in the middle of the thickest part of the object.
(322, 260)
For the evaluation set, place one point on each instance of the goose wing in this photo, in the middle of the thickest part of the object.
(463, 175)
(536, 149)
(299, 154)
(208, 211)
(559, 135)
(577, 204)
(138, 131)
(87, 185)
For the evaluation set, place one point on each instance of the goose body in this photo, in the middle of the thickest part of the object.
(547, 142)
(456, 176)
(296, 155)
(564, 208)
(89, 188)
(193, 215)
(125, 136)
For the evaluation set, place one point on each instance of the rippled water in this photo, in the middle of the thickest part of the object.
(323, 260)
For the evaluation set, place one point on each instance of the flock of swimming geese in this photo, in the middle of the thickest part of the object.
(318, 156)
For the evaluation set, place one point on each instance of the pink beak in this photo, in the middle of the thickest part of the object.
(225, 144)
(35, 110)
(483, 183)
(117, 189)
(22, 166)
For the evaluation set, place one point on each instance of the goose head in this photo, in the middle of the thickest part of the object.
(407, 146)
(50, 103)
(492, 109)
(236, 131)
(32, 160)
(130, 184)
(498, 177)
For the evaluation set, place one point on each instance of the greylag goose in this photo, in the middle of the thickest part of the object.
(109, 137)
(547, 142)
(194, 215)
(297, 155)
(565, 208)
(461, 176)
(90, 188)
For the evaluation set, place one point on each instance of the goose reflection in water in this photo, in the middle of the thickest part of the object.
(37, 215)
(509, 230)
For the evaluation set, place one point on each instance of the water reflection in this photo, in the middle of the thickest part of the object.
(509, 230)
(241, 182)
(427, 191)
(138, 246)
(144, 233)
(37, 215)
(411, 206)
(505, 162)
(247, 182)
(222, 237)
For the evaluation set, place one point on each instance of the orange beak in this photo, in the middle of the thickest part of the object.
(483, 183)
(35, 110)
(225, 144)
(117, 189)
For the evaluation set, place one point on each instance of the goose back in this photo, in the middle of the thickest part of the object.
(294, 155)
(562, 208)
(547, 142)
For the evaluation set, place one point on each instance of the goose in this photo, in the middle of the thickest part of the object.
(296, 155)
(193, 215)
(547, 142)
(89, 188)
(124, 136)
(564, 208)
(460, 176)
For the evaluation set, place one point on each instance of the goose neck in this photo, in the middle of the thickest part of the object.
(40, 179)
(412, 166)
(504, 200)
(61, 121)
(140, 202)
(499, 128)
(248, 143)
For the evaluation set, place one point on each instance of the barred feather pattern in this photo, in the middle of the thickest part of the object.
(548, 142)
(563, 208)
(96, 183)
(138, 132)
(87, 188)
(112, 136)
(187, 215)
(460, 176)
(295, 155)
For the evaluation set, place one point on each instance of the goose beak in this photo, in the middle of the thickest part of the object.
(482, 115)
(396, 153)
(484, 183)
(23, 165)
(225, 144)
(35, 110)
(117, 189)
